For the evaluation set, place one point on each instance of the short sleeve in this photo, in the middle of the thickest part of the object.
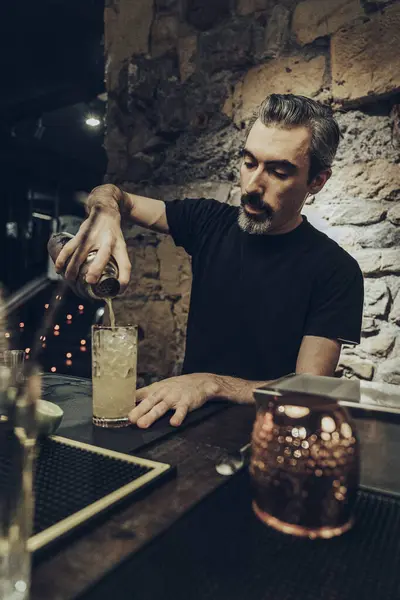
(337, 303)
(190, 220)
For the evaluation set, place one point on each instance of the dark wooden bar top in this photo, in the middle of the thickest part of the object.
(195, 452)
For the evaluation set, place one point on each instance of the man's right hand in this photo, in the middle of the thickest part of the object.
(105, 236)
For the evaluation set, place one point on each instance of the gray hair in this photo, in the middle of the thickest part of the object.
(289, 110)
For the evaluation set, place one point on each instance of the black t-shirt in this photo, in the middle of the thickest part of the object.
(254, 297)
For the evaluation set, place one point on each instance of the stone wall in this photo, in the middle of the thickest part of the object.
(183, 77)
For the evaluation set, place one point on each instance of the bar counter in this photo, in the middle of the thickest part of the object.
(195, 450)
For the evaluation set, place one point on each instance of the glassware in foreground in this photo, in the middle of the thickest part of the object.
(305, 463)
(17, 455)
(14, 360)
(114, 361)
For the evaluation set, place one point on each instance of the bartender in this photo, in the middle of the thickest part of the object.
(271, 295)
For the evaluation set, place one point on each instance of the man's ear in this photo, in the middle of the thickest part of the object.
(319, 181)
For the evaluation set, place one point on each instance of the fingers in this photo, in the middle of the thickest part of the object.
(102, 257)
(155, 413)
(156, 399)
(65, 253)
(76, 250)
(144, 407)
(145, 392)
(77, 259)
(179, 415)
(124, 265)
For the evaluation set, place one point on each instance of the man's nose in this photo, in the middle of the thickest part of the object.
(255, 184)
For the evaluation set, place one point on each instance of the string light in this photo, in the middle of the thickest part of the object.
(58, 297)
(80, 307)
(46, 306)
(42, 338)
(68, 363)
(7, 335)
(22, 325)
(27, 350)
(69, 317)
(56, 327)
(53, 369)
(83, 342)
(43, 345)
(56, 333)
(68, 355)
(82, 348)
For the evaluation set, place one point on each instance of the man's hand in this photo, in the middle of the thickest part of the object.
(105, 236)
(182, 394)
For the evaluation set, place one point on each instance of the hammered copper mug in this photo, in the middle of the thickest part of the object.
(304, 465)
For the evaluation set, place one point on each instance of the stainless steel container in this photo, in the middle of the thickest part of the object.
(108, 285)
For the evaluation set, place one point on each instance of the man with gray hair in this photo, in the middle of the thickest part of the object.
(271, 295)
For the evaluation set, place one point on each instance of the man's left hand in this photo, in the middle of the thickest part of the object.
(182, 394)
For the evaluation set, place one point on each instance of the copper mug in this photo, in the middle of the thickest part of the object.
(305, 464)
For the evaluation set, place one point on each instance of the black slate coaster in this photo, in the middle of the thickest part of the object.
(74, 396)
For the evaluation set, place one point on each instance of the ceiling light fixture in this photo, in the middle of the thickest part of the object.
(92, 121)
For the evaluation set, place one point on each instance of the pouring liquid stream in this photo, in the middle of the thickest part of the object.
(111, 312)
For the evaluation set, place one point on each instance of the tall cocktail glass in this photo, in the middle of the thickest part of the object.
(114, 361)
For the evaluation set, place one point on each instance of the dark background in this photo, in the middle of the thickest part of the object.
(52, 72)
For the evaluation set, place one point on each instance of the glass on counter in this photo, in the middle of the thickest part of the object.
(114, 362)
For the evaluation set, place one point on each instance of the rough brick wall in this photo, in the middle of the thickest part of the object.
(183, 77)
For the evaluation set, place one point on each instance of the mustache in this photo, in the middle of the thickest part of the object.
(256, 201)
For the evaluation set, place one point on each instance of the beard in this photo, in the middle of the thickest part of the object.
(255, 224)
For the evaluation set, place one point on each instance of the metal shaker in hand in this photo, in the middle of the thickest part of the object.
(108, 285)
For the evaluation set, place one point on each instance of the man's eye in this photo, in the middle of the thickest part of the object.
(280, 175)
(249, 165)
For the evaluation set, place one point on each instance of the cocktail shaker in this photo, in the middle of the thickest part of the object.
(108, 285)
(305, 464)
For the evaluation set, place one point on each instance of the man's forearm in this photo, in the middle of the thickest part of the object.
(147, 212)
(237, 390)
